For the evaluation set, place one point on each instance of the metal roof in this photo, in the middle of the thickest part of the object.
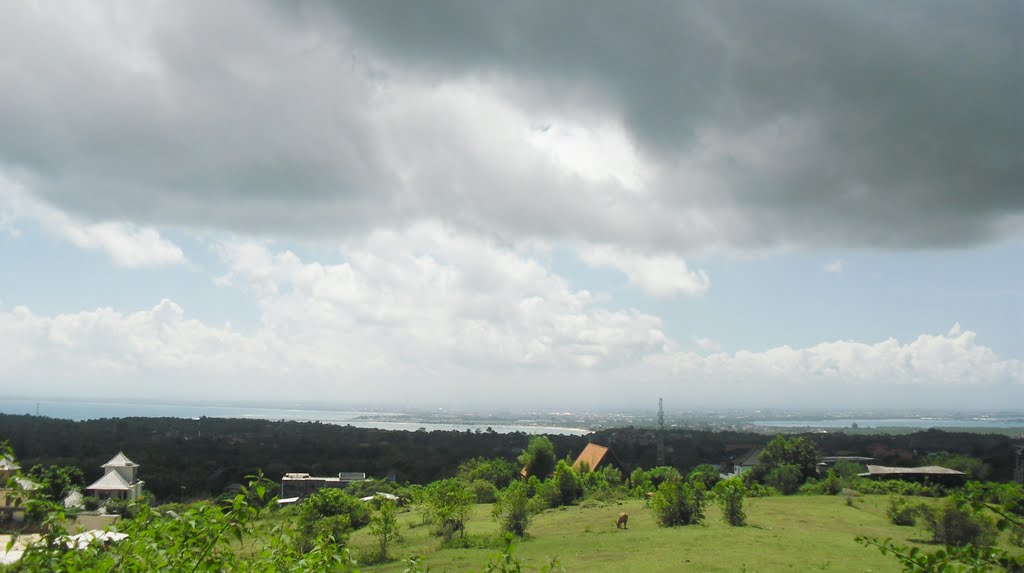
(930, 470)
(111, 481)
(119, 461)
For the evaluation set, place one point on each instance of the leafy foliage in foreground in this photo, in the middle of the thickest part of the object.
(202, 537)
(964, 524)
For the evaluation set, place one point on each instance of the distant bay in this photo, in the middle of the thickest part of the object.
(91, 410)
(923, 422)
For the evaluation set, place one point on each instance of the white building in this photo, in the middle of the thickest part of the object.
(120, 480)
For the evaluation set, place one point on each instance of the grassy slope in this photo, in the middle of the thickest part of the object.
(802, 533)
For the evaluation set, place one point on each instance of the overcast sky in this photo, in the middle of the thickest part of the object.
(581, 204)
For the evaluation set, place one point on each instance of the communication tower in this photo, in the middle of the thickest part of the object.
(661, 432)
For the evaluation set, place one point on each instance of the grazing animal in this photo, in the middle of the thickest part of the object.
(623, 520)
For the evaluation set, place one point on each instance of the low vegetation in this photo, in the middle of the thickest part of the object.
(490, 516)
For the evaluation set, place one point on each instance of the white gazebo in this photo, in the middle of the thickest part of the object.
(120, 480)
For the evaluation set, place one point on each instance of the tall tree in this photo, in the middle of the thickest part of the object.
(539, 457)
(797, 450)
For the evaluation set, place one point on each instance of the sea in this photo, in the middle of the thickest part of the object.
(995, 422)
(92, 410)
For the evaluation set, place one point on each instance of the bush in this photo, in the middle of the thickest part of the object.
(568, 482)
(539, 457)
(513, 509)
(706, 474)
(847, 469)
(546, 495)
(483, 491)
(332, 531)
(760, 490)
(901, 511)
(332, 502)
(955, 522)
(895, 487)
(385, 526)
(831, 485)
(678, 503)
(448, 504)
(499, 472)
(123, 507)
(786, 478)
(729, 494)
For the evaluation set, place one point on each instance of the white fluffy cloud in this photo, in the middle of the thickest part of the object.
(126, 244)
(660, 275)
(426, 312)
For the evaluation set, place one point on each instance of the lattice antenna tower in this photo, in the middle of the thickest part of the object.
(661, 432)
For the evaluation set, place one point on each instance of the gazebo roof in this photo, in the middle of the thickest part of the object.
(111, 481)
(119, 461)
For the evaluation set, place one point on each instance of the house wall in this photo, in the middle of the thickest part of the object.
(128, 473)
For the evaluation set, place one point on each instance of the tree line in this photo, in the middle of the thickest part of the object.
(194, 459)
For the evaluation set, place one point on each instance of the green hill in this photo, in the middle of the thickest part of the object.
(798, 533)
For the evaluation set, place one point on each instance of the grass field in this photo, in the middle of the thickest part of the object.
(798, 533)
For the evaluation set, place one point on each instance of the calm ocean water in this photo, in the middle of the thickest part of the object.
(79, 410)
(952, 422)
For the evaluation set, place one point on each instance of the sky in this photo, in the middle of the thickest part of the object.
(576, 204)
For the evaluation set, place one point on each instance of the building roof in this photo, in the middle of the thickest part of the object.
(751, 458)
(26, 484)
(111, 481)
(924, 470)
(119, 461)
(7, 464)
(594, 455)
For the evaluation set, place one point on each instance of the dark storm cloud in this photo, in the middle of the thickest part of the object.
(860, 124)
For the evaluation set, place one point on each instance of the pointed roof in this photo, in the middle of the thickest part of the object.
(7, 464)
(111, 481)
(750, 459)
(119, 461)
(594, 455)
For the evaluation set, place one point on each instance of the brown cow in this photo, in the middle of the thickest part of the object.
(623, 520)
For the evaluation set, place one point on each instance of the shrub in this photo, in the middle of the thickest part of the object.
(901, 511)
(955, 522)
(646, 481)
(513, 509)
(546, 495)
(483, 491)
(332, 531)
(499, 472)
(539, 457)
(570, 486)
(895, 487)
(706, 474)
(332, 502)
(678, 503)
(1017, 535)
(755, 489)
(729, 494)
(385, 526)
(786, 478)
(123, 507)
(448, 504)
(847, 469)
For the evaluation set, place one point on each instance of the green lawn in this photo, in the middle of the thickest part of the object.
(799, 533)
